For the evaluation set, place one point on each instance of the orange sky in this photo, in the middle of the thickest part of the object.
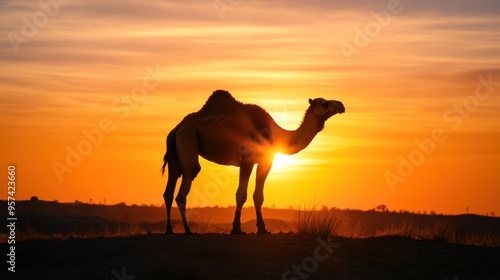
(132, 70)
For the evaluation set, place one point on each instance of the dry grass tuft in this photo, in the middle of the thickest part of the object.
(29, 233)
(404, 228)
(324, 222)
(124, 230)
(487, 239)
(120, 230)
(204, 227)
(441, 231)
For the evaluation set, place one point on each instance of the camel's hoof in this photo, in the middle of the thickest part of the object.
(190, 233)
(169, 230)
(237, 231)
(263, 231)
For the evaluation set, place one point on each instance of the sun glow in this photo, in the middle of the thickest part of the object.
(281, 161)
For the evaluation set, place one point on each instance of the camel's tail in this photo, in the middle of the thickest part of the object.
(165, 160)
(171, 148)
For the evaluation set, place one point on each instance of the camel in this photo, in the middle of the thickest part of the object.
(228, 132)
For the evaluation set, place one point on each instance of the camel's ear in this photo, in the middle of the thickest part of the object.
(311, 102)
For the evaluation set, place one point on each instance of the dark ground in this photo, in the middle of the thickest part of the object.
(220, 256)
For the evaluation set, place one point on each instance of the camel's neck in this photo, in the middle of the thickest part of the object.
(292, 142)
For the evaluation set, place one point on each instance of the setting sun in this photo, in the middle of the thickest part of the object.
(281, 161)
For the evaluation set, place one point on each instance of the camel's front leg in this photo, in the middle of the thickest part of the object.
(258, 195)
(241, 195)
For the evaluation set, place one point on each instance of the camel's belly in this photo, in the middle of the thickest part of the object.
(227, 142)
(220, 155)
(233, 153)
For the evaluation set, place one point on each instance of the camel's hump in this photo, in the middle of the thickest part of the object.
(220, 95)
(220, 98)
(223, 105)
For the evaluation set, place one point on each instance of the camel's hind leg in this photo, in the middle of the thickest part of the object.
(168, 196)
(187, 149)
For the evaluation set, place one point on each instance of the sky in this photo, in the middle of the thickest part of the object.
(90, 89)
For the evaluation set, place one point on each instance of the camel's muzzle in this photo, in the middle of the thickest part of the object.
(339, 107)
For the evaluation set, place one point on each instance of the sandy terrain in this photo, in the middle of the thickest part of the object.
(220, 256)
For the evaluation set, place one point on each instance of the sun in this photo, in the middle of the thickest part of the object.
(281, 161)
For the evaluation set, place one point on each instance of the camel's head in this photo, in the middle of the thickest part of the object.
(324, 109)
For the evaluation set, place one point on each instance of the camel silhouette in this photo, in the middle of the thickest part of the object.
(228, 132)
